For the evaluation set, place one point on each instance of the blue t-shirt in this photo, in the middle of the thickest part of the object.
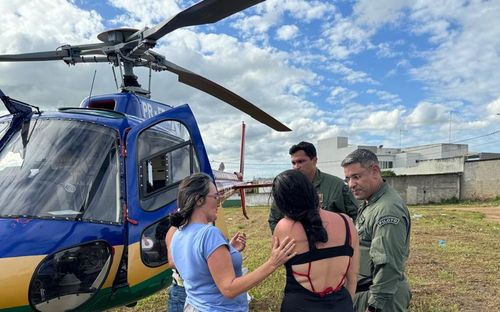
(191, 247)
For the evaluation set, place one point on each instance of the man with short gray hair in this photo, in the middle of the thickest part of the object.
(383, 226)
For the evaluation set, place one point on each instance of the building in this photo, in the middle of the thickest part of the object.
(422, 159)
(429, 173)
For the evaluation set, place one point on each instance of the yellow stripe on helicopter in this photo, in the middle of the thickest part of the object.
(15, 277)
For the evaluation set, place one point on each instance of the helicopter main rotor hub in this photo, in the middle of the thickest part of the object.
(115, 36)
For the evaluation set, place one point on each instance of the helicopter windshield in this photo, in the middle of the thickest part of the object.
(4, 126)
(60, 169)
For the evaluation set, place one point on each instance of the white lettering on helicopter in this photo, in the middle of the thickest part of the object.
(149, 110)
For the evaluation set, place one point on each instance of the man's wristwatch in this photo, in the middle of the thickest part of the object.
(373, 309)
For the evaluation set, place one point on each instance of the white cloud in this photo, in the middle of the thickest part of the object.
(492, 112)
(426, 113)
(389, 49)
(272, 12)
(352, 34)
(493, 107)
(142, 13)
(31, 25)
(465, 63)
(341, 95)
(350, 75)
(375, 14)
(385, 96)
(287, 32)
(379, 120)
(307, 10)
(344, 37)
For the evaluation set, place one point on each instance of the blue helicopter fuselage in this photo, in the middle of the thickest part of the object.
(84, 198)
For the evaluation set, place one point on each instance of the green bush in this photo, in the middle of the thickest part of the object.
(452, 200)
(388, 173)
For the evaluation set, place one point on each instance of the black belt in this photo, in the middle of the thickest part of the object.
(363, 287)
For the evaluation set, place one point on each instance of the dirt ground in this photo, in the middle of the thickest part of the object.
(491, 213)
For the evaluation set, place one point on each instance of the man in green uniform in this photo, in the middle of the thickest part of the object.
(383, 226)
(334, 194)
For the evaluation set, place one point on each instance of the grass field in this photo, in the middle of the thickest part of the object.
(462, 275)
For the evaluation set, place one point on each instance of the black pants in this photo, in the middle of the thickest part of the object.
(306, 301)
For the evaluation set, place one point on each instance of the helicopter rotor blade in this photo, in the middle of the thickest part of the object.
(62, 53)
(204, 12)
(56, 55)
(218, 91)
(36, 56)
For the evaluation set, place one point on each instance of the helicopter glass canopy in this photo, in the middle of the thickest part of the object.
(61, 169)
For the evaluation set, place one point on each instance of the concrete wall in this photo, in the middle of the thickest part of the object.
(251, 199)
(403, 160)
(481, 179)
(478, 180)
(262, 199)
(424, 189)
(433, 166)
(436, 151)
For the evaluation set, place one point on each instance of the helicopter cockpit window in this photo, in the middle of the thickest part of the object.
(61, 169)
(166, 156)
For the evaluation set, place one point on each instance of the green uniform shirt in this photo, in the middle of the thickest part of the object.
(334, 195)
(383, 226)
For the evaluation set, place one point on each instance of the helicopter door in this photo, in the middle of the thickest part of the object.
(160, 153)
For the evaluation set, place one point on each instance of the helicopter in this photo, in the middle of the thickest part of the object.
(86, 191)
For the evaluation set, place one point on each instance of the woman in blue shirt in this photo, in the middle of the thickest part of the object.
(210, 266)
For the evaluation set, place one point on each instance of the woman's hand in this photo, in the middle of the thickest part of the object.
(239, 241)
(281, 251)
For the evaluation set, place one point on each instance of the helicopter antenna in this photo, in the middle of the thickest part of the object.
(92, 85)
(114, 76)
(149, 85)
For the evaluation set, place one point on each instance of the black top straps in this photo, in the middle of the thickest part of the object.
(324, 253)
(292, 286)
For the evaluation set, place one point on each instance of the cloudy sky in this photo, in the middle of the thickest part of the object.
(388, 72)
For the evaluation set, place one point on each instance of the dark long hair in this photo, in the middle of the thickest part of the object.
(191, 189)
(296, 198)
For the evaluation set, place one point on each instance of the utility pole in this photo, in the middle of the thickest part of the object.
(401, 132)
(449, 131)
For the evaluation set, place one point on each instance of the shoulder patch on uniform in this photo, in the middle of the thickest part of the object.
(388, 220)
